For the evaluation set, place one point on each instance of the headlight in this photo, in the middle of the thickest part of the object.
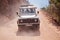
(21, 20)
(36, 20)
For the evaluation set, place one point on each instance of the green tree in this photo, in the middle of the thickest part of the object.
(54, 9)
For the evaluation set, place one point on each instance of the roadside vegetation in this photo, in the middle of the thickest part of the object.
(53, 10)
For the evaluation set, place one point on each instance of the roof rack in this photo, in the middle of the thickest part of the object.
(25, 5)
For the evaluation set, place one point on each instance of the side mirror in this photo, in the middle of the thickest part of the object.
(17, 13)
(38, 12)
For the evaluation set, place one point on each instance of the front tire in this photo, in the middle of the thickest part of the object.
(20, 28)
(35, 27)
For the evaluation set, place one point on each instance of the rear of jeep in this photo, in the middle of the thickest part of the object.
(28, 18)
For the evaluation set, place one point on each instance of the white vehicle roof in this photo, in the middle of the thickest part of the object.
(27, 6)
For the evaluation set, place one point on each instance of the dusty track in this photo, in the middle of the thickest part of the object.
(47, 30)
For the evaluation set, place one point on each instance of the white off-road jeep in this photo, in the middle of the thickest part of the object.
(28, 18)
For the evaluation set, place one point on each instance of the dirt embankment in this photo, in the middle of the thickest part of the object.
(51, 19)
(8, 9)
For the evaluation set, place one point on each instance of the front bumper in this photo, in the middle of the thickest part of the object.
(28, 24)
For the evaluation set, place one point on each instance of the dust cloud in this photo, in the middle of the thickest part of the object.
(8, 9)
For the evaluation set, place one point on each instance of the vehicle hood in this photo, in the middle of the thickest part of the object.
(28, 16)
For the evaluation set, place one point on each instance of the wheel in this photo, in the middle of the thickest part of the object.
(20, 28)
(36, 27)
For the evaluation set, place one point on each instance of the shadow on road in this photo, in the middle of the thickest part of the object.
(28, 32)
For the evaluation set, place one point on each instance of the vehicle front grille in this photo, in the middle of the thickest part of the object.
(28, 21)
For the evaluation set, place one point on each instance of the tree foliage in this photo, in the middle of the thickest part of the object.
(54, 9)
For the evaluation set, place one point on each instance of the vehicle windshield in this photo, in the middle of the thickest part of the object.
(27, 11)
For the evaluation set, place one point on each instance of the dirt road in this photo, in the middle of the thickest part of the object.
(48, 31)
